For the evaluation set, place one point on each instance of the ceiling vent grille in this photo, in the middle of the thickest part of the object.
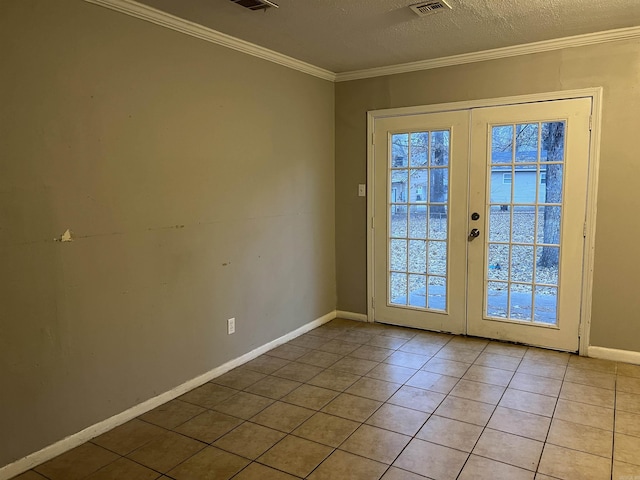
(429, 7)
(255, 4)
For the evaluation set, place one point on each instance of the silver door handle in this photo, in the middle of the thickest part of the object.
(474, 233)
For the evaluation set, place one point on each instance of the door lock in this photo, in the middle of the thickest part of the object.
(474, 233)
(475, 216)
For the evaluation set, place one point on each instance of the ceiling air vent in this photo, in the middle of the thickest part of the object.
(429, 7)
(255, 4)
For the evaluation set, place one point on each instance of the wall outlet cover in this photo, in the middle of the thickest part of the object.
(231, 326)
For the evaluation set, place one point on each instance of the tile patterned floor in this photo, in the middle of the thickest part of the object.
(358, 401)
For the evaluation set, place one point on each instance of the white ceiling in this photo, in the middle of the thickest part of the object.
(348, 35)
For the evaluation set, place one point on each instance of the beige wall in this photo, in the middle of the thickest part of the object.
(614, 66)
(199, 185)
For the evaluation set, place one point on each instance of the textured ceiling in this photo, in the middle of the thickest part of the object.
(347, 35)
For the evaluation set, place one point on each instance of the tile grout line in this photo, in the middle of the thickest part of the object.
(434, 356)
(334, 449)
(286, 433)
(347, 329)
(483, 428)
(494, 409)
(459, 378)
(544, 444)
(427, 419)
(430, 358)
(361, 423)
(615, 411)
(383, 403)
(414, 436)
(377, 409)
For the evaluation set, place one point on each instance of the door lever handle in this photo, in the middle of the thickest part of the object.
(474, 233)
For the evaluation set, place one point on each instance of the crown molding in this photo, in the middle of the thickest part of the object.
(172, 22)
(516, 50)
(149, 14)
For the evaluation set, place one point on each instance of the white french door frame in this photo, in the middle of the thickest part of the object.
(595, 94)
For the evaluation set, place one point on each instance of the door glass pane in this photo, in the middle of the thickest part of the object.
(417, 256)
(439, 188)
(498, 262)
(497, 299)
(418, 291)
(521, 264)
(524, 224)
(550, 183)
(418, 204)
(417, 221)
(398, 216)
(398, 288)
(501, 182)
(418, 186)
(399, 185)
(438, 222)
(502, 144)
(398, 260)
(419, 149)
(546, 305)
(549, 225)
(437, 293)
(499, 224)
(547, 275)
(525, 213)
(525, 184)
(527, 142)
(399, 150)
(553, 142)
(440, 148)
(520, 302)
(437, 258)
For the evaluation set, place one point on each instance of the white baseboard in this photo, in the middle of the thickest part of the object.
(72, 441)
(360, 317)
(626, 356)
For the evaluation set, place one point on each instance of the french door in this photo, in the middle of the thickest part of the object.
(479, 221)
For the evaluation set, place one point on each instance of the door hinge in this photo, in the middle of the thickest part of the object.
(584, 230)
(590, 122)
(372, 221)
(373, 302)
(373, 137)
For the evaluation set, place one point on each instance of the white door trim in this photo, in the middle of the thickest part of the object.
(592, 189)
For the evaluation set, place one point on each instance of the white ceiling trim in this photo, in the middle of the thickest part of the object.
(144, 12)
(516, 50)
(172, 22)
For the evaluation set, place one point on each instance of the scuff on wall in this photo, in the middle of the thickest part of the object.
(65, 237)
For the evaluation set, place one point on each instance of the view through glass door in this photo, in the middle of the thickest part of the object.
(530, 189)
(489, 242)
(420, 190)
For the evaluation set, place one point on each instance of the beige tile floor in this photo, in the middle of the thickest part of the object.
(360, 401)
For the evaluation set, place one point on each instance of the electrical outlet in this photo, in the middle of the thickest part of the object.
(231, 326)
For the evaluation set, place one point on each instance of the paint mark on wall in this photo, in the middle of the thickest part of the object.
(177, 227)
(65, 237)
